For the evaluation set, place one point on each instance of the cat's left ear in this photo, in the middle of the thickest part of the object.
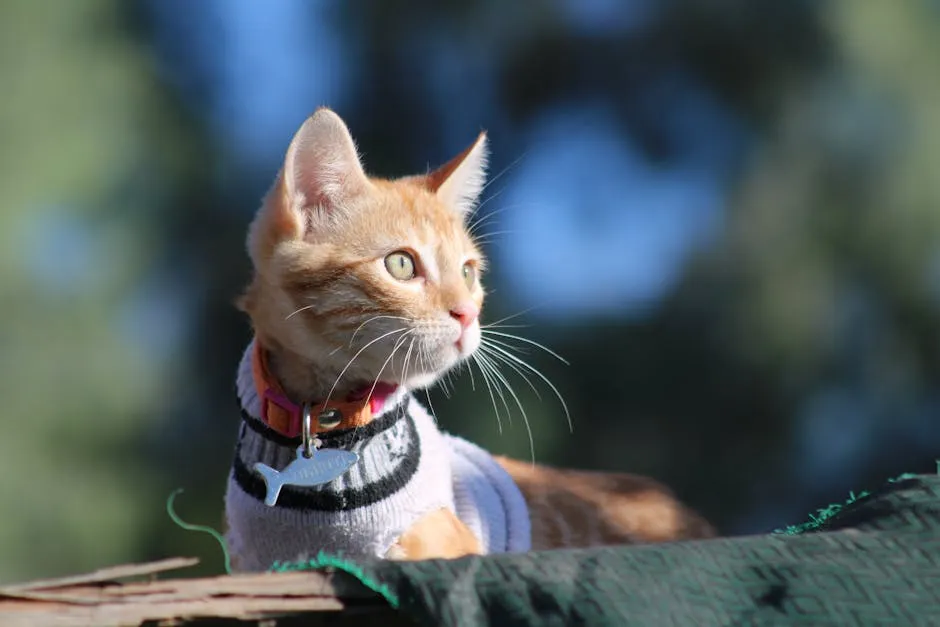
(322, 168)
(459, 182)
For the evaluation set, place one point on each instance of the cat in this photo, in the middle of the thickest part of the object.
(364, 290)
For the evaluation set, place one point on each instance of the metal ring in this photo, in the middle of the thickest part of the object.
(329, 419)
(306, 431)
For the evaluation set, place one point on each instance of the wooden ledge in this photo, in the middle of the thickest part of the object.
(104, 598)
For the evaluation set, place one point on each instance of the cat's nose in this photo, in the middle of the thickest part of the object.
(465, 314)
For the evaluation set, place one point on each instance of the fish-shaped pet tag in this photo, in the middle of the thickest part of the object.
(322, 466)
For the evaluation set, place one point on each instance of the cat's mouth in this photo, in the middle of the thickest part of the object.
(378, 391)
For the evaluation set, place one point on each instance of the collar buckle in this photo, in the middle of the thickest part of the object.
(289, 422)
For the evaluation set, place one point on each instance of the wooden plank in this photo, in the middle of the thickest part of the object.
(299, 583)
(107, 574)
(271, 599)
(302, 584)
(134, 614)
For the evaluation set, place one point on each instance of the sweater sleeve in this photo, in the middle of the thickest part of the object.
(488, 500)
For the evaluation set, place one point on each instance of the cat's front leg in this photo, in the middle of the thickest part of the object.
(437, 535)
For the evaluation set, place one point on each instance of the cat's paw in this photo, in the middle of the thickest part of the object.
(396, 552)
(438, 534)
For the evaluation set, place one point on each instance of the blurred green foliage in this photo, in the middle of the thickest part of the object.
(822, 291)
(81, 118)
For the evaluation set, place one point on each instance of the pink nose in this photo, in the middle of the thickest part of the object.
(465, 314)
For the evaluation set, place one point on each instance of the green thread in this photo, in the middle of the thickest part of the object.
(325, 560)
(203, 528)
(322, 560)
(822, 515)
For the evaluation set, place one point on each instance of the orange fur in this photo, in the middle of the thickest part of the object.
(581, 508)
(332, 318)
(337, 269)
(439, 534)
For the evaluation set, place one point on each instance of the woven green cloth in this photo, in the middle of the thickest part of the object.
(875, 561)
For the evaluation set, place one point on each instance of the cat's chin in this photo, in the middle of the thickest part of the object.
(421, 382)
(453, 359)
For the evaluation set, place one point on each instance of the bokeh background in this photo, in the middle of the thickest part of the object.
(725, 215)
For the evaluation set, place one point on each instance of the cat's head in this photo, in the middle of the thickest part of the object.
(377, 277)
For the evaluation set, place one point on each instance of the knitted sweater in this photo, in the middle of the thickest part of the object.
(407, 468)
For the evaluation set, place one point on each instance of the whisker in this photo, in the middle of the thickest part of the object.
(521, 350)
(525, 419)
(492, 368)
(489, 389)
(537, 373)
(487, 237)
(335, 383)
(481, 218)
(488, 216)
(492, 181)
(444, 390)
(515, 369)
(528, 341)
(507, 326)
(422, 356)
(294, 313)
(450, 382)
(398, 343)
(515, 315)
(427, 395)
(359, 328)
(411, 345)
(485, 367)
(514, 163)
(470, 370)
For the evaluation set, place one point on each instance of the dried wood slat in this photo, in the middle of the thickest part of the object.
(127, 615)
(304, 584)
(276, 599)
(108, 574)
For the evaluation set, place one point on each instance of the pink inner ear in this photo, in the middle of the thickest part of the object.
(322, 165)
(320, 186)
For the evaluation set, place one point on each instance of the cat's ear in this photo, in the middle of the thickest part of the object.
(460, 181)
(322, 169)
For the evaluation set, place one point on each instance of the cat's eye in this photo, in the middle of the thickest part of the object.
(469, 274)
(400, 265)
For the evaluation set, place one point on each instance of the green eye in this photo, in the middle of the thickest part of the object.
(400, 265)
(469, 274)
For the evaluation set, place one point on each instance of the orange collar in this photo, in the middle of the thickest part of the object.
(285, 416)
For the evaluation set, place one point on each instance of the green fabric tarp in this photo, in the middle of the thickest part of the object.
(875, 561)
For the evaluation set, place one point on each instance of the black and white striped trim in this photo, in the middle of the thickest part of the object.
(393, 437)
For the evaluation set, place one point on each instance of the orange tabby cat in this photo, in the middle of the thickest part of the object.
(367, 289)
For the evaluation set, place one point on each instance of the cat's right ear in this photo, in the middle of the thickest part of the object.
(460, 181)
(322, 169)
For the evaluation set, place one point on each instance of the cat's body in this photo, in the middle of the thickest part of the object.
(366, 289)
